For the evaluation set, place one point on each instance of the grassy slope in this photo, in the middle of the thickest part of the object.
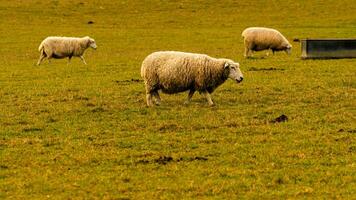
(84, 131)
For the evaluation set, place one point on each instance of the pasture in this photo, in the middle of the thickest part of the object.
(84, 131)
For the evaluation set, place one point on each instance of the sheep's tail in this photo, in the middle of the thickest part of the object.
(41, 47)
(243, 34)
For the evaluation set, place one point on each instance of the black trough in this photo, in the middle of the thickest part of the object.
(328, 48)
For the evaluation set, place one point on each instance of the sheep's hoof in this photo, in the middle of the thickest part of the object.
(157, 102)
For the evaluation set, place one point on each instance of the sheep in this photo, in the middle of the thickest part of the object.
(260, 38)
(61, 47)
(174, 72)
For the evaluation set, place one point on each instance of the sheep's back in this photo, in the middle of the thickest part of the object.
(264, 37)
(173, 71)
(64, 45)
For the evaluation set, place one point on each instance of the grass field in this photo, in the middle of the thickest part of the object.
(84, 132)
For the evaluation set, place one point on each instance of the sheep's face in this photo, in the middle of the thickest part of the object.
(92, 43)
(288, 49)
(234, 71)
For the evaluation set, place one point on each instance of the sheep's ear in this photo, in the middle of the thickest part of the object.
(226, 65)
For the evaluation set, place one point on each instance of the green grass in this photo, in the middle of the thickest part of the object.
(84, 132)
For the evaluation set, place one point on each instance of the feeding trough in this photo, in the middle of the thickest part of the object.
(328, 48)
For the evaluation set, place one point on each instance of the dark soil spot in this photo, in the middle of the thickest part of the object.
(136, 80)
(4, 167)
(90, 104)
(143, 162)
(282, 118)
(49, 144)
(126, 180)
(296, 40)
(265, 69)
(90, 22)
(76, 97)
(61, 100)
(190, 159)
(23, 122)
(255, 58)
(51, 120)
(31, 129)
(200, 158)
(98, 109)
(279, 181)
(163, 160)
(348, 131)
(73, 90)
(126, 82)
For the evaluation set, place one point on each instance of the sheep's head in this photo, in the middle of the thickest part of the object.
(234, 71)
(288, 49)
(91, 42)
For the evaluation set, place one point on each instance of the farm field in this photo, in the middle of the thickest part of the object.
(84, 131)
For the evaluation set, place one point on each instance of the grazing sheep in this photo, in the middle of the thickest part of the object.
(61, 47)
(174, 72)
(259, 38)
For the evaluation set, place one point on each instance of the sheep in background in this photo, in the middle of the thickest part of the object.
(260, 38)
(173, 72)
(61, 47)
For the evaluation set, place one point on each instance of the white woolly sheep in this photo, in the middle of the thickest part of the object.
(62, 47)
(174, 72)
(260, 38)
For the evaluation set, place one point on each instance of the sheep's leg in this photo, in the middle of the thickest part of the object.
(69, 59)
(82, 58)
(208, 98)
(149, 99)
(249, 53)
(157, 97)
(42, 56)
(49, 58)
(247, 50)
(190, 95)
(149, 94)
